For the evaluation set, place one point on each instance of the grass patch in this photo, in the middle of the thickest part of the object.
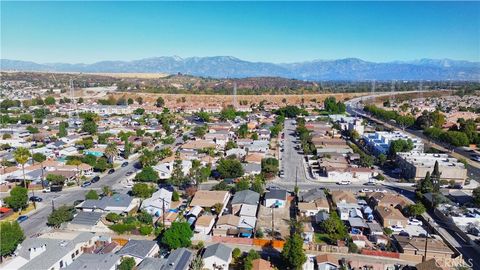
(15, 215)
(322, 238)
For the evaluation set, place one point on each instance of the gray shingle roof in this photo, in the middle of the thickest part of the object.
(94, 262)
(179, 259)
(312, 195)
(218, 250)
(151, 264)
(246, 197)
(55, 250)
(117, 200)
(137, 248)
(87, 218)
(279, 194)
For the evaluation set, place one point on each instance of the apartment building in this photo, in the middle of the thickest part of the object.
(379, 142)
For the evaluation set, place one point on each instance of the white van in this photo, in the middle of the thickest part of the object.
(344, 182)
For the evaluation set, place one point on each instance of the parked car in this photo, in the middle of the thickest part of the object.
(86, 184)
(365, 190)
(397, 228)
(129, 173)
(344, 182)
(46, 190)
(77, 202)
(111, 171)
(21, 219)
(416, 222)
(35, 199)
(95, 179)
(125, 164)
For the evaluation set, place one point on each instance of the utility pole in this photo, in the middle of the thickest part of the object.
(163, 212)
(273, 222)
(426, 243)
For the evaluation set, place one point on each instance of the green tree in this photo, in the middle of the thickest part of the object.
(148, 158)
(145, 218)
(258, 185)
(18, 198)
(230, 145)
(293, 253)
(178, 177)
(49, 100)
(251, 256)
(236, 253)
(127, 263)
(382, 159)
(178, 235)
(242, 184)
(89, 126)
(60, 215)
(62, 129)
(113, 217)
(242, 131)
(426, 185)
(436, 177)
(101, 165)
(91, 195)
(203, 116)
(11, 234)
(230, 168)
(22, 155)
(147, 174)
(160, 102)
(414, 210)
(228, 113)
(142, 190)
(400, 145)
(55, 179)
(269, 167)
(200, 131)
(111, 151)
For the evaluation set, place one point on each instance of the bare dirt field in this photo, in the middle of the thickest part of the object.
(133, 75)
(225, 100)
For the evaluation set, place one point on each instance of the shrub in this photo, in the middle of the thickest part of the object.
(145, 217)
(112, 217)
(175, 196)
(146, 230)
(122, 228)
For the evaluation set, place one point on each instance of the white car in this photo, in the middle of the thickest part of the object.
(345, 182)
(397, 228)
(416, 222)
(46, 190)
(365, 190)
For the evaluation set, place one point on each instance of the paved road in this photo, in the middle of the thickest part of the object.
(37, 221)
(449, 231)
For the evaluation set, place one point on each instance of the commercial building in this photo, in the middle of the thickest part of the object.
(415, 165)
(379, 142)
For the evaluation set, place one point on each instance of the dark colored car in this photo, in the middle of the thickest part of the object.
(125, 164)
(129, 173)
(77, 202)
(111, 171)
(95, 179)
(21, 219)
(86, 184)
(36, 199)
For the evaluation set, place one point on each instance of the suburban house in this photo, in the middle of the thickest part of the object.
(389, 216)
(327, 262)
(227, 225)
(204, 224)
(108, 261)
(158, 203)
(139, 249)
(384, 199)
(51, 251)
(88, 222)
(436, 248)
(276, 198)
(207, 198)
(217, 256)
(261, 264)
(244, 197)
(117, 203)
(179, 259)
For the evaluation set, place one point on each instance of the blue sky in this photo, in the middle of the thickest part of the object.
(276, 32)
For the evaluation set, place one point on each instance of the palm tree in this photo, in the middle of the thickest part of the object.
(21, 156)
(40, 158)
(77, 163)
(111, 152)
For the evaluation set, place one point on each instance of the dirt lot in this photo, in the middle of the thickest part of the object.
(225, 100)
(281, 216)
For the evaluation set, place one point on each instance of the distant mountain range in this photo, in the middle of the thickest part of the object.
(231, 67)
